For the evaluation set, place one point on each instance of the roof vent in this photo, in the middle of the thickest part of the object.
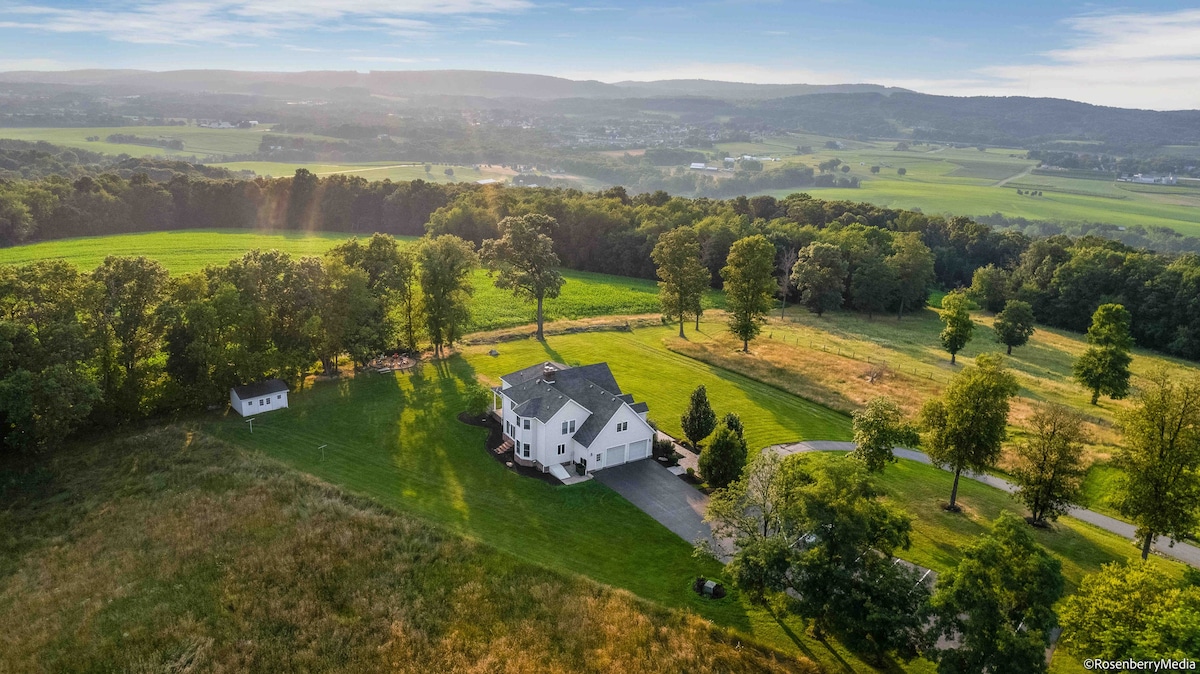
(548, 371)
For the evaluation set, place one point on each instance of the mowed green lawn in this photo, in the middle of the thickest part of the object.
(395, 438)
(585, 294)
(664, 380)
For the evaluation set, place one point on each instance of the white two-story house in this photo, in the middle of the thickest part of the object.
(555, 415)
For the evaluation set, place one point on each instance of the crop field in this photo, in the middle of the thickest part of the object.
(394, 171)
(585, 294)
(965, 181)
(198, 142)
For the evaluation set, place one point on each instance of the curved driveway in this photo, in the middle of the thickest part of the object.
(1184, 552)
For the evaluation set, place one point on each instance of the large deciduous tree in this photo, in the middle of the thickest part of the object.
(996, 608)
(749, 275)
(1132, 611)
(699, 421)
(989, 287)
(722, 459)
(131, 289)
(812, 535)
(820, 276)
(683, 278)
(957, 324)
(1104, 368)
(911, 263)
(1049, 470)
(523, 260)
(1014, 324)
(967, 424)
(878, 427)
(445, 263)
(873, 287)
(1159, 488)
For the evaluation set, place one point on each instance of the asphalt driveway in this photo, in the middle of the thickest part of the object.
(676, 504)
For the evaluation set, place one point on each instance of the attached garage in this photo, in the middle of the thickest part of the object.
(639, 450)
(614, 456)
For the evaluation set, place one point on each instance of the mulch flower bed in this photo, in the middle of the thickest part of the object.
(495, 439)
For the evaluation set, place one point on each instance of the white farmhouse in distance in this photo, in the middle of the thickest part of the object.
(555, 416)
(263, 396)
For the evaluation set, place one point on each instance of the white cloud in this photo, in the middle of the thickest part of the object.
(227, 21)
(506, 43)
(1132, 60)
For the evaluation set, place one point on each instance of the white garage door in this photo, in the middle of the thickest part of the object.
(639, 450)
(614, 456)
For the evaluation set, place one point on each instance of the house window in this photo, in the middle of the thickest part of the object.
(564, 428)
(525, 424)
(597, 458)
(268, 401)
(526, 450)
(250, 403)
(260, 401)
(279, 397)
(623, 426)
(562, 449)
(572, 425)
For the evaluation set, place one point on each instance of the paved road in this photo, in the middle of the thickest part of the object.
(676, 504)
(1184, 552)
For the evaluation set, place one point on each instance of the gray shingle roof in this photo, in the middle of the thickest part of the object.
(591, 386)
(260, 388)
(531, 372)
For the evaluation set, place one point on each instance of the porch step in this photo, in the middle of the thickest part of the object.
(507, 445)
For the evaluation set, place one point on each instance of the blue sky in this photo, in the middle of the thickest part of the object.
(1111, 54)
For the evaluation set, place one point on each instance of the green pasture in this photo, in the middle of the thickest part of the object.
(395, 438)
(585, 294)
(181, 251)
(196, 141)
(395, 171)
(965, 181)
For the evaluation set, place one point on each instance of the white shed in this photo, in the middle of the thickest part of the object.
(263, 396)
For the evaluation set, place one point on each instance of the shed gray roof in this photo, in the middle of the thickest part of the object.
(261, 388)
(591, 386)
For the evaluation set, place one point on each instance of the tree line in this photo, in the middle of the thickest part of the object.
(1063, 279)
(128, 340)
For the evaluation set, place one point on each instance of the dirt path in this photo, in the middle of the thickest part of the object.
(1022, 174)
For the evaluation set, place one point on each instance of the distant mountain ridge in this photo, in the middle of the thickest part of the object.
(466, 83)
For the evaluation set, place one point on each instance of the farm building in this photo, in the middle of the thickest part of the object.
(555, 416)
(263, 396)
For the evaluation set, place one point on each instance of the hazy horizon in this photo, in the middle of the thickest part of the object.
(1094, 52)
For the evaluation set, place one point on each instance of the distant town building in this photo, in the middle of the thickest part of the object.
(1149, 179)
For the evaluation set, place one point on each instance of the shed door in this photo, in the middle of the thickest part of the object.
(614, 455)
(639, 450)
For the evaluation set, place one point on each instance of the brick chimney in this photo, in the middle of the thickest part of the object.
(548, 371)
